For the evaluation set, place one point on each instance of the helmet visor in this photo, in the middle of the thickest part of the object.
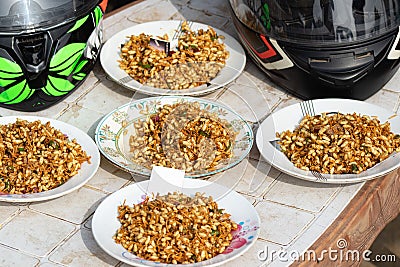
(28, 14)
(319, 21)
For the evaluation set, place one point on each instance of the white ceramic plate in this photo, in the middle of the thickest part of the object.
(84, 174)
(112, 133)
(110, 54)
(289, 117)
(105, 222)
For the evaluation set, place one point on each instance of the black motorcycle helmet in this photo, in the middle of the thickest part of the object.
(47, 48)
(322, 48)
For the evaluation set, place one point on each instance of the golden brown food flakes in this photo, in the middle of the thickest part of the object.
(198, 59)
(175, 228)
(36, 157)
(182, 136)
(339, 143)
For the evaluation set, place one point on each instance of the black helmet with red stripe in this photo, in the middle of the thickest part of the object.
(322, 48)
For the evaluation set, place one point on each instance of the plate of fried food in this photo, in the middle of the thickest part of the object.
(198, 136)
(186, 227)
(43, 158)
(172, 58)
(331, 140)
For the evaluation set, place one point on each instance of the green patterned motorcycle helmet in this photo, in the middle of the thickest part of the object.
(47, 49)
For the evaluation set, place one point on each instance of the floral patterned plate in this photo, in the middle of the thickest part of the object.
(105, 223)
(113, 132)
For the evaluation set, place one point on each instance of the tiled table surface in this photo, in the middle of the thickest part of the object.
(294, 213)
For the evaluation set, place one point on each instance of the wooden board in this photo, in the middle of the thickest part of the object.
(373, 207)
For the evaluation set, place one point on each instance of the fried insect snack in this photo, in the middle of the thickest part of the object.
(198, 59)
(36, 157)
(182, 136)
(339, 143)
(175, 228)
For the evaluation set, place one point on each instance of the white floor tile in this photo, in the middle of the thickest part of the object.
(88, 125)
(12, 258)
(109, 178)
(257, 255)
(82, 250)
(302, 194)
(163, 11)
(75, 207)
(35, 233)
(249, 177)
(248, 101)
(211, 7)
(385, 99)
(6, 212)
(106, 97)
(281, 224)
